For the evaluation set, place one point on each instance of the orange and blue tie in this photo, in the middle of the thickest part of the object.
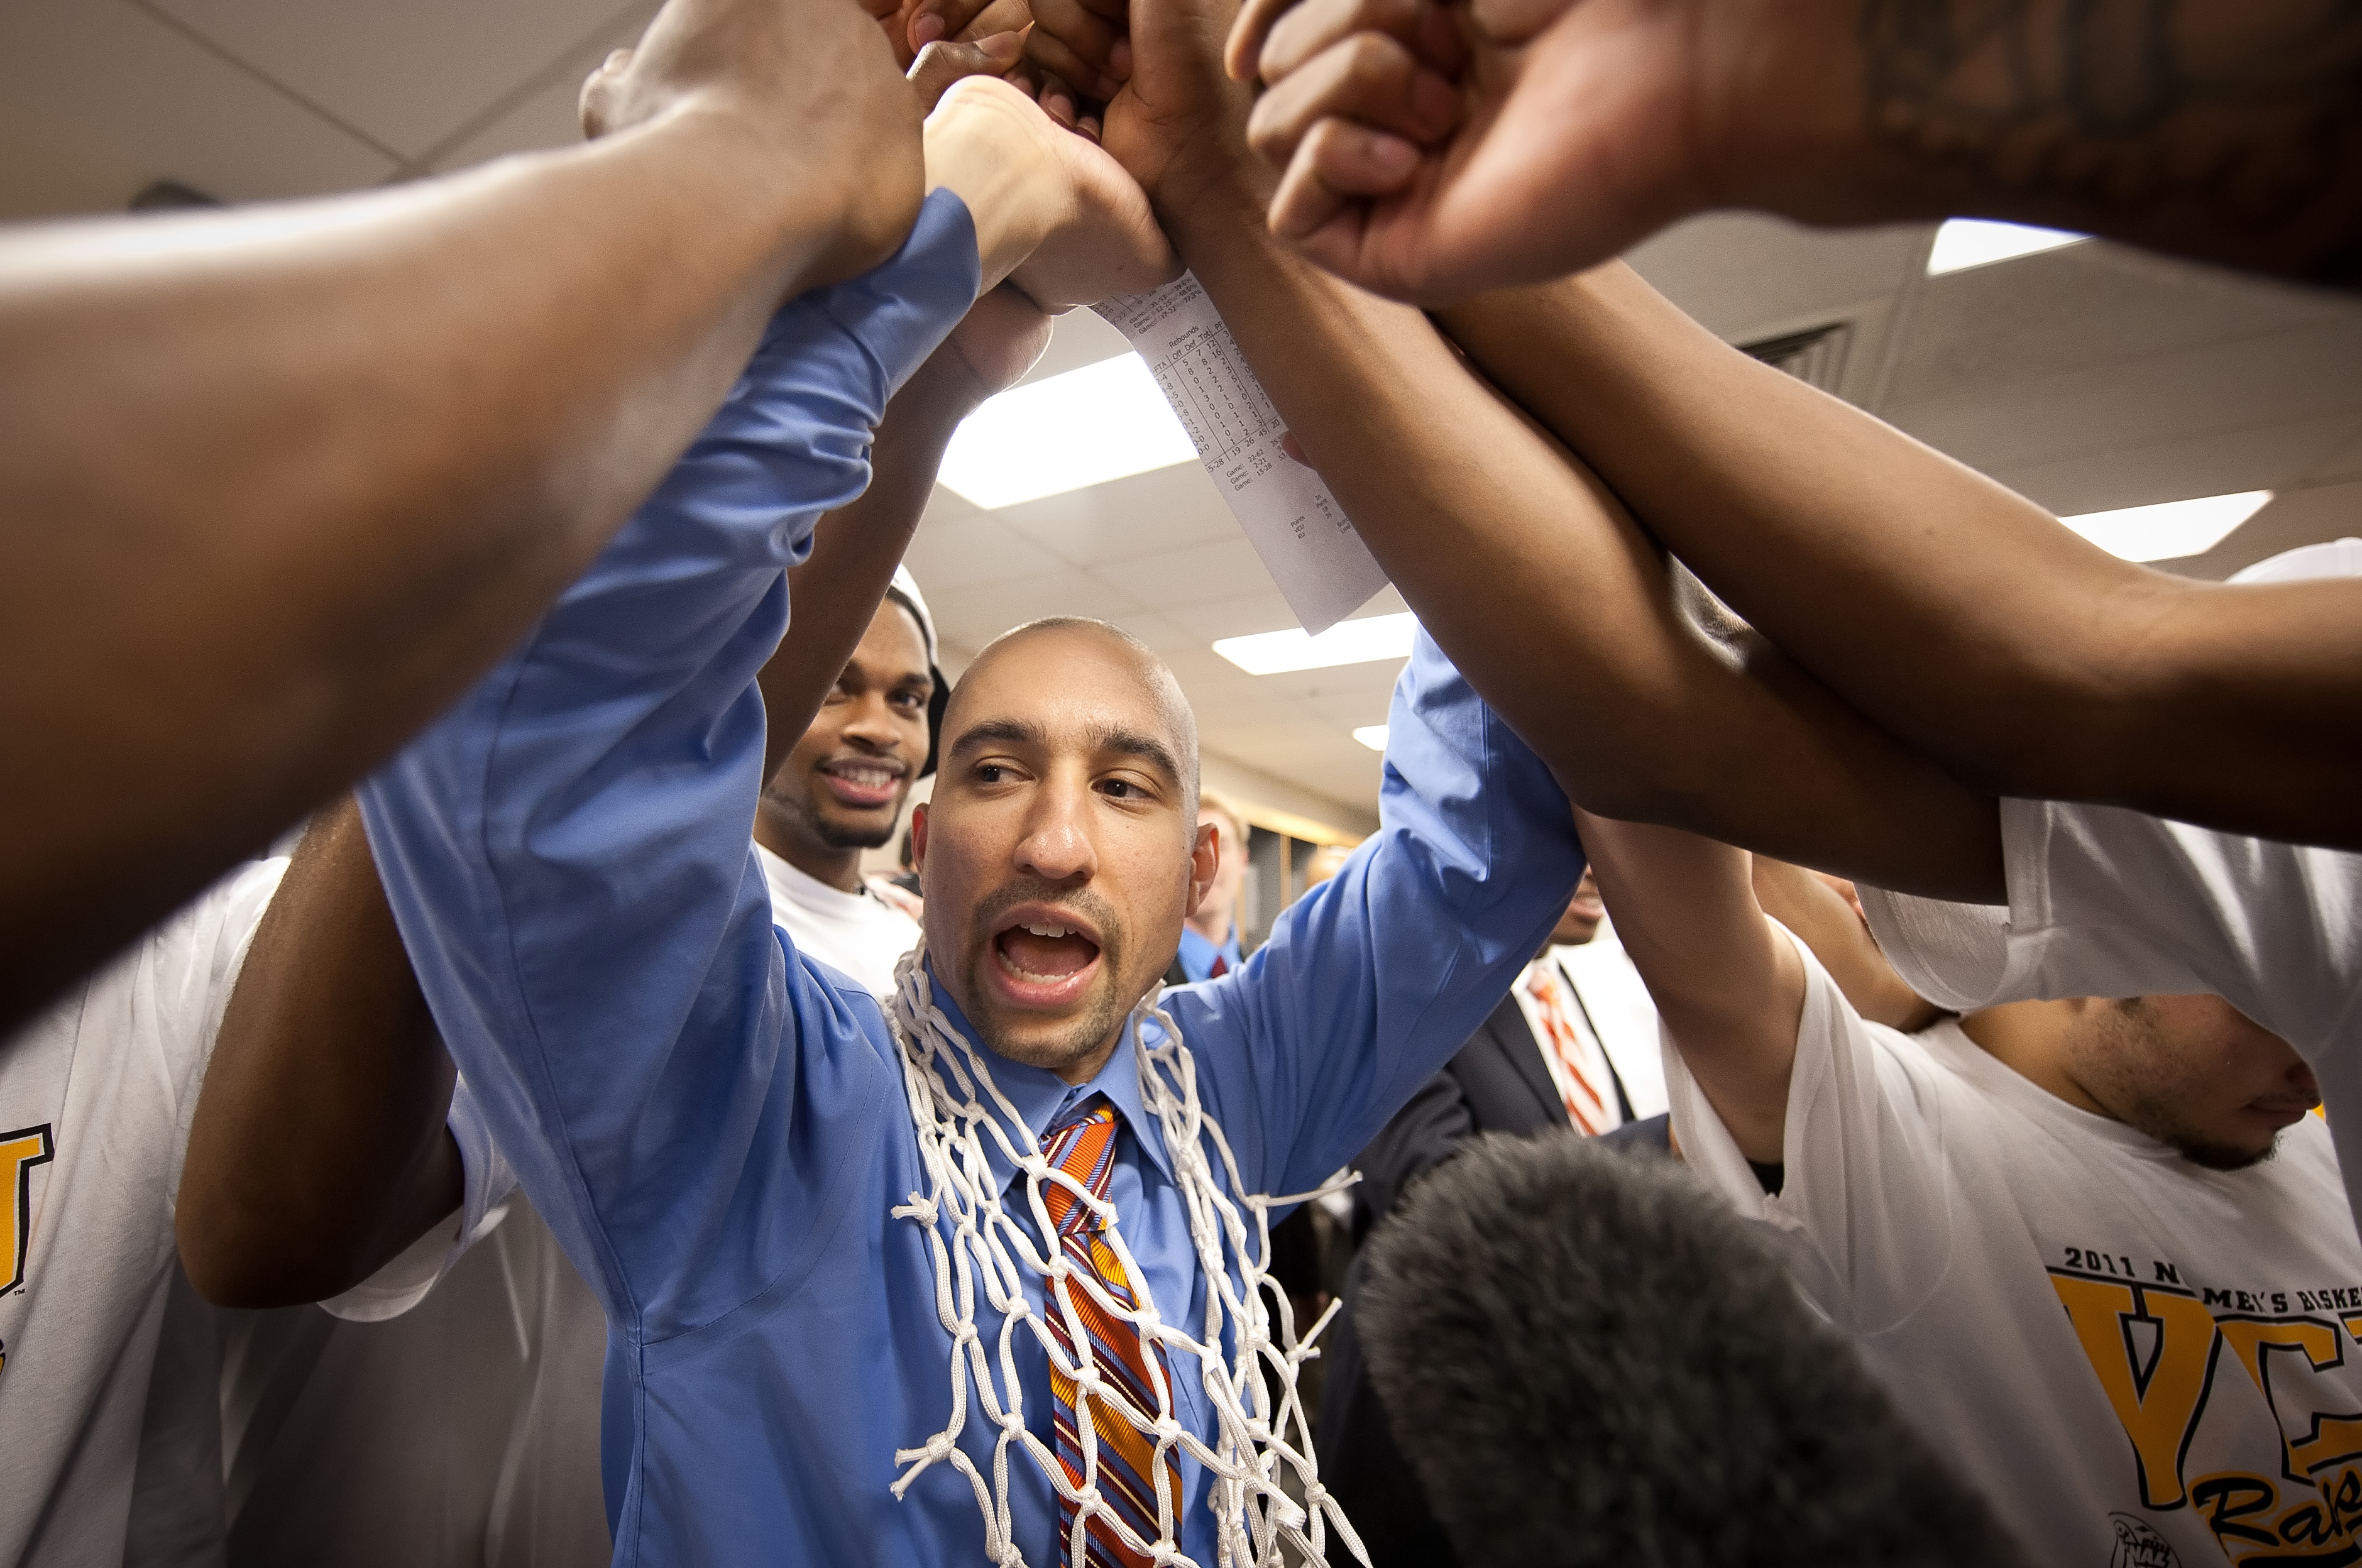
(1083, 1148)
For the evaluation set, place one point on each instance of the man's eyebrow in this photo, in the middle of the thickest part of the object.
(1148, 748)
(1010, 732)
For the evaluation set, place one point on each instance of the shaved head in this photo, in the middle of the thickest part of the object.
(1062, 851)
(1156, 679)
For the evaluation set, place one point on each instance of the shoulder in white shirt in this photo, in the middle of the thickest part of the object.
(96, 1097)
(2125, 1350)
(2107, 903)
(857, 934)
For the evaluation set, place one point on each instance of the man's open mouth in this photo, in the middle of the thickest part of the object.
(863, 784)
(1043, 957)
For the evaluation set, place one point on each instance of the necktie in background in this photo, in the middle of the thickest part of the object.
(1083, 1148)
(1586, 1106)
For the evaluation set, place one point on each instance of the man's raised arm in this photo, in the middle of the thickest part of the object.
(1436, 150)
(277, 484)
(1952, 612)
(319, 1150)
(567, 852)
(1522, 565)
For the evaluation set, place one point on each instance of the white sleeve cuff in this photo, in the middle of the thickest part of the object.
(489, 1183)
(1955, 955)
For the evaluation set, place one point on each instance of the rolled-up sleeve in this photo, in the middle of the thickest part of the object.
(566, 852)
(1371, 981)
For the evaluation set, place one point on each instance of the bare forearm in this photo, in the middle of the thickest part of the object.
(2226, 129)
(1730, 988)
(319, 1151)
(835, 593)
(1833, 928)
(1949, 608)
(278, 483)
(1532, 575)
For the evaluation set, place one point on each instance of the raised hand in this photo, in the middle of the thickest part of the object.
(1427, 157)
(996, 342)
(811, 77)
(1150, 84)
(1055, 214)
(942, 62)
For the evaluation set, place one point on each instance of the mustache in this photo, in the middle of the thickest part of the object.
(1034, 890)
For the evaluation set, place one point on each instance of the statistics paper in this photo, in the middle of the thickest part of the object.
(1307, 542)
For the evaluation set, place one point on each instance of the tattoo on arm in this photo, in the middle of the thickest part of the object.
(2249, 111)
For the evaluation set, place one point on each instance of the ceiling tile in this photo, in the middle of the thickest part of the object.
(549, 115)
(1124, 519)
(946, 507)
(1741, 273)
(972, 615)
(1163, 638)
(1979, 331)
(2343, 463)
(1079, 337)
(2268, 457)
(2300, 517)
(1197, 575)
(407, 75)
(98, 99)
(966, 552)
(2299, 374)
(1265, 611)
(1324, 761)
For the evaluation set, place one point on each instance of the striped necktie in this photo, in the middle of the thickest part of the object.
(1585, 1106)
(1083, 1148)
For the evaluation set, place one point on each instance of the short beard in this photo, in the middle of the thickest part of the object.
(831, 835)
(2133, 1100)
(2219, 1157)
(1105, 1009)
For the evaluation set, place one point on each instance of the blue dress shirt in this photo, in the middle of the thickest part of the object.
(1197, 955)
(716, 1128)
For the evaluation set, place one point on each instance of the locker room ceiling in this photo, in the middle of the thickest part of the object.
(2091, 378)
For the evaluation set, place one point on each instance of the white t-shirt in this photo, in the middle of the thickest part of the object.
(857, 934)
(95, 1101)
(1616, 1002)
(1595, 1066)
(2137, 1360)
(459, 1431)
(2107, 903)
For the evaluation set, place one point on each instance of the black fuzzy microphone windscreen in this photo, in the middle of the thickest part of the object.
(1590, 1359)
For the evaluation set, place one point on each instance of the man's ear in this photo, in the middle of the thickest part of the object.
(1204, 858)
(919, 838)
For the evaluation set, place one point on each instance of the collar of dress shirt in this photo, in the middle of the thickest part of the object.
(1041, 1097)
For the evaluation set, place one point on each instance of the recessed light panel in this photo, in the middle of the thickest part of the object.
(1372, 736)
(1963, 243)
(1347, 642)
(1103, 422)
(2171, 529)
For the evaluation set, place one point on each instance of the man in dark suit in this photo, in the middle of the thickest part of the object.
(1511, 1076)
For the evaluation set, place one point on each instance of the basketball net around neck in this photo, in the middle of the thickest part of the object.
(1261, 1425)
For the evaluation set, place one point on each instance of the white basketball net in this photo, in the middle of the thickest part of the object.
(1260, 1419)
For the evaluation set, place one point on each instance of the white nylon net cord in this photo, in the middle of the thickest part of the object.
(1262, 1423)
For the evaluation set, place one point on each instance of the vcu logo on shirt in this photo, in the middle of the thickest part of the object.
(2161, 1352)
(19, 1152)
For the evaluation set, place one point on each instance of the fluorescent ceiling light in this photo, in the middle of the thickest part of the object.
(1963, 243)
(1347, 642)
(2171, 529)
(1086, 427)
(1372, 736)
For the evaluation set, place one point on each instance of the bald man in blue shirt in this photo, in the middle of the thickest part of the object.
(970, 1278)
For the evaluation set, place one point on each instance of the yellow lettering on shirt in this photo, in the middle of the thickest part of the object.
(2159, 1403)
(19, 1152)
